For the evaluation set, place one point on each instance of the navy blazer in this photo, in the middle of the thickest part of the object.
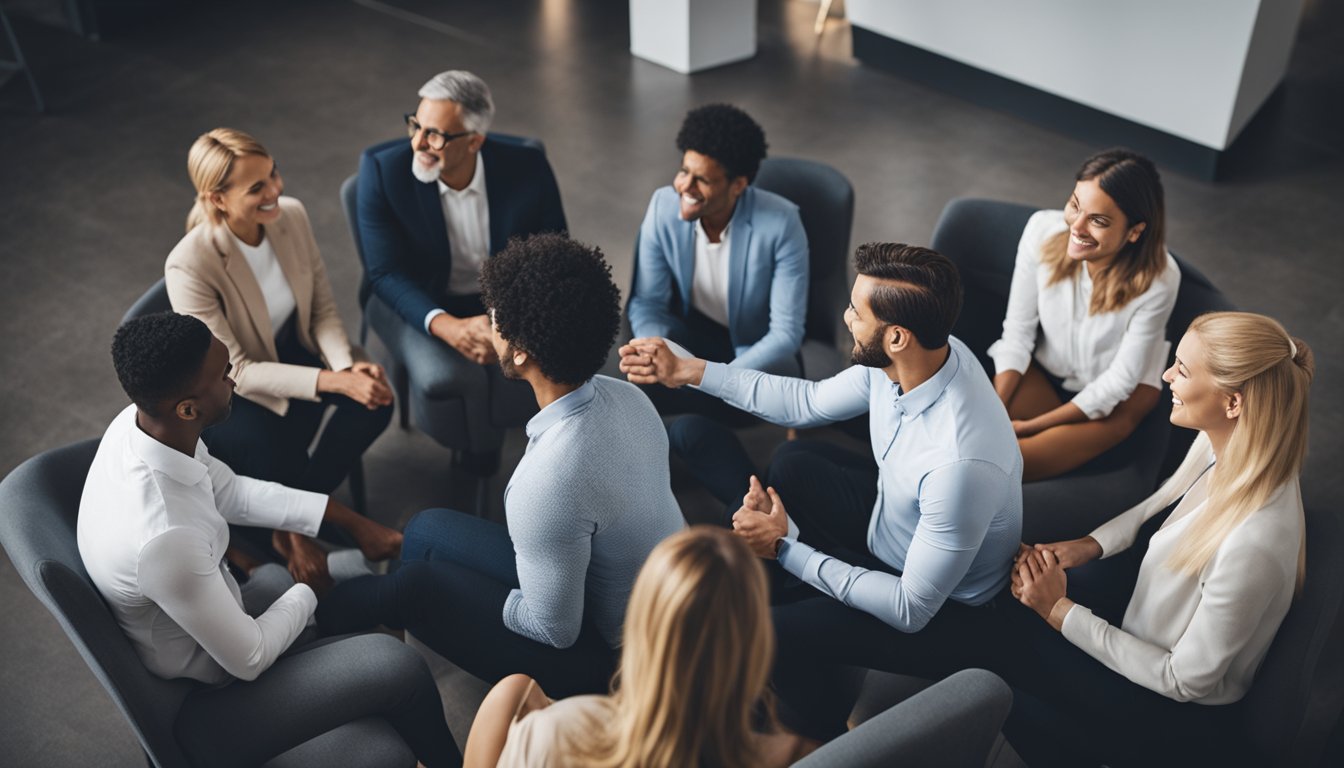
(767, 276)
(407, 258)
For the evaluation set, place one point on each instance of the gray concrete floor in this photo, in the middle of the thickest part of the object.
(94, 193)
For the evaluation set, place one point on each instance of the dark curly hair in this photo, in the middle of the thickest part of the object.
(553, 298)
(728, 135)
(921, 293)
(157, 357)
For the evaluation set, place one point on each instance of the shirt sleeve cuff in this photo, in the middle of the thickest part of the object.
(795, 557)
(1091, 405)
(1076, 626)
(433, 313)
(714, 380)
(793, 527)
(306, 510)
(1006, 359)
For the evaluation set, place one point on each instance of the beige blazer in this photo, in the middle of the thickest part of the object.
(208, 278)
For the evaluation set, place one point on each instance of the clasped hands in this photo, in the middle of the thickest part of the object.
(650, 361)
(365, 383)
(761, 521)
(468, 335)
(1038, 580)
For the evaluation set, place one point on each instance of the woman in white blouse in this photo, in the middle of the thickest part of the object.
(1212, 580)
(250, 269)
(1084, 340)
(695, 660)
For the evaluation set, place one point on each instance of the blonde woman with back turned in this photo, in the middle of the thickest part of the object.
(695, 661)
(1208, 567)
(249, 268)
(1084, 339)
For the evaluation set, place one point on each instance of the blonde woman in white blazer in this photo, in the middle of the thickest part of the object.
(249, 268)
(1207, 583)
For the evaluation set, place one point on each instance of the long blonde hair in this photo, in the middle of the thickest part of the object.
(1132, 181)
(209, 163)
(1254, 355)
(695, 660)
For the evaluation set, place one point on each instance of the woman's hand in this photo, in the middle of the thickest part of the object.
(365, 383)
(1072, 553)
(1038, 582)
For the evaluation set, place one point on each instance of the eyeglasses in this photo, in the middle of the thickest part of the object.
(435, 138)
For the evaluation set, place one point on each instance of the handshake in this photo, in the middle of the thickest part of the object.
(655, 360)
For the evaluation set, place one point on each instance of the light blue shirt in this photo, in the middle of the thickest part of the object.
(591, 497)
(949, 491)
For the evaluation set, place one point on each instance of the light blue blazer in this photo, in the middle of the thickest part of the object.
(767, 277)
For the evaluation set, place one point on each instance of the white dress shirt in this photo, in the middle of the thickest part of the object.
(466, 212)
(709, 281)
(275, 288)
(153, 527)
(1198, 639)
(1102, 357)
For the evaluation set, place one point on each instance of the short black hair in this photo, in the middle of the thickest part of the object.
(726, 134)
(554, 299)
(928, 300)
(158, 356)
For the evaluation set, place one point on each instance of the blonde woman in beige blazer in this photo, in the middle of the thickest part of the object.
(249, 268)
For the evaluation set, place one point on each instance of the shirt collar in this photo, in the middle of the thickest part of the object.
(918, 400)
(477, 183)
(187, 470)
(703, 237)
(552, 414)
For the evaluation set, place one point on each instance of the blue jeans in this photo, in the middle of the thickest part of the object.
(456, 573)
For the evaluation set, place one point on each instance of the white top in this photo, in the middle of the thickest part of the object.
(153, 527)
(275, 288)
(709, 281)
(466, 212)
(1101, 357)
(1198, 639)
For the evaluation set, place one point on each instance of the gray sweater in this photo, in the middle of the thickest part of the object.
(590, 499)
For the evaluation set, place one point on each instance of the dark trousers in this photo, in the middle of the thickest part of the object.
(256, 442)
(1070, 709)
(457, 571)
(314, 689)
(829, 493)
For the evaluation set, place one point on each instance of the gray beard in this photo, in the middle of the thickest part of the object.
(425, 175)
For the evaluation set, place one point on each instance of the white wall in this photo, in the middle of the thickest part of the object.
(1197, 69)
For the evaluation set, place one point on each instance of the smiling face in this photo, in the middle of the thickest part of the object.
(1197, 402)
(1098, 229)
(251, 197)
(452, 159)
(705, 189)
(869, 332)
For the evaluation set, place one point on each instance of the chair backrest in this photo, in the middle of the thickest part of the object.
(953, 723)
(350, 200)
(1298, 693)
(39, 504)
(153, 300)
(825, 201)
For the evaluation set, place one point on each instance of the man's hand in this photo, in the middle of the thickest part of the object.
(307, 562)
(651, 361)
(470, 336)
(762, 520)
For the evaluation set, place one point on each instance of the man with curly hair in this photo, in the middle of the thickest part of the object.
(721, 267)
(590, 499)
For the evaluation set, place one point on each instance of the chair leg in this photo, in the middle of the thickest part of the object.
(356, 479)
(20, 64)
(402, 385)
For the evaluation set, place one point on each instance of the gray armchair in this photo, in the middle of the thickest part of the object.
(981, 237)
(951, 724)
(39, 504)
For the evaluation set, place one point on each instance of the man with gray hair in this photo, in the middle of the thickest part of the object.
(430, 212)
